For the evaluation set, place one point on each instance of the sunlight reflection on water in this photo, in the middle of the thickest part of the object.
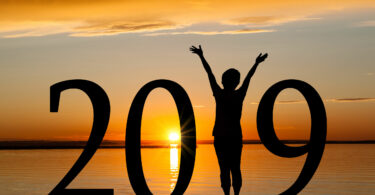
(173, 165)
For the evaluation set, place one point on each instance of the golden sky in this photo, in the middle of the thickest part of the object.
(100, 17)
(122, 45)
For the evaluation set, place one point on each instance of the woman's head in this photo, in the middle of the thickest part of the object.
(230, 79)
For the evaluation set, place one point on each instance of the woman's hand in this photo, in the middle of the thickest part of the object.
(261, 58)
(197, 51)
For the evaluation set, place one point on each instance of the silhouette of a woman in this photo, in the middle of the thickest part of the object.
(227, 130)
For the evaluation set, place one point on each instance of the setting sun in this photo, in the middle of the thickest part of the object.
(174, 136)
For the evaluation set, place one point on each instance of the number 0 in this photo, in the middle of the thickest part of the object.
(133, 137)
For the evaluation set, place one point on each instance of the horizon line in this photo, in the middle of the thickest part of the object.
(14, 145)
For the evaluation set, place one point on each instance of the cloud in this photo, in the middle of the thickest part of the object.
(368, 23)
(290, 102)
(199, 106)
(20, 18)
(370, 74)
(37, 29)
(262, 21)
(88, 29)
(342, 100)
(285, 102)
(334, 100)
(118, 27)
(228, 32)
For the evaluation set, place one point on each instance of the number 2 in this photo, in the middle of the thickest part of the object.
(101, 109)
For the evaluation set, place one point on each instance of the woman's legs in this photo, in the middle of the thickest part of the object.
(222, 152)
(236, 166)
(228, 152)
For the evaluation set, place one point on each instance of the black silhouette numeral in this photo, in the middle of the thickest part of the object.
(101, 109)
(133, 137)
(314, 148)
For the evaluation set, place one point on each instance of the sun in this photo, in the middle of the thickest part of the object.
(174, 136)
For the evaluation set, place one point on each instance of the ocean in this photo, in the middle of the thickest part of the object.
(344, 169)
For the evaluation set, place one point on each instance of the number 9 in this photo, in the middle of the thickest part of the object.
(314, 147)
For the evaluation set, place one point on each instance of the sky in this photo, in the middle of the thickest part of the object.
(122, 45)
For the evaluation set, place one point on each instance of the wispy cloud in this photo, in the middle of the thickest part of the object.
(285, 102)
(88, 29)
(262, 21)
(20, 18)
(228, 32)
(290, 102)
(367, 23)
(334, 100)
(370, 74)
(199, 106)
(113, 28)
(341, 100)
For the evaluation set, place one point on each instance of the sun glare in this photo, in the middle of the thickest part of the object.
(174, 136)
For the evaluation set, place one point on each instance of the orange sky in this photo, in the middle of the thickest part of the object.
(123, 45)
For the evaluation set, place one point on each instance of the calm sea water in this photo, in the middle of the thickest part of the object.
(345, 169)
